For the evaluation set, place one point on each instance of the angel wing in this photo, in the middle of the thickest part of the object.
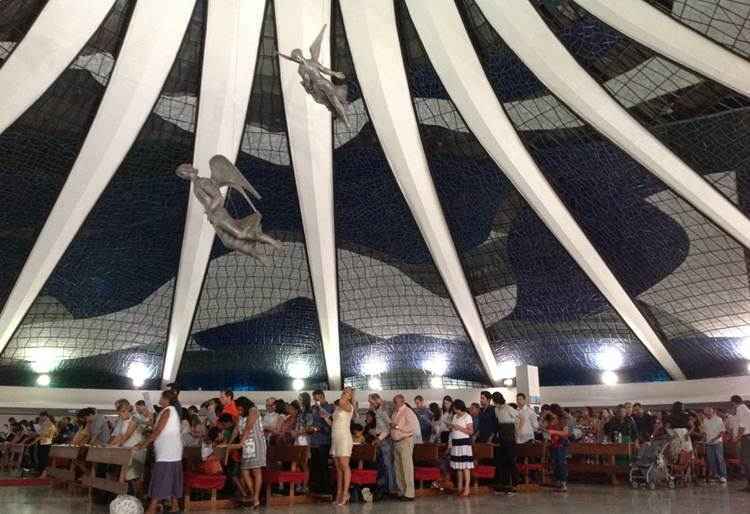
(315, 48)
(224, 173)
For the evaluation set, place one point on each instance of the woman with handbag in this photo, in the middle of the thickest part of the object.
(253, 443)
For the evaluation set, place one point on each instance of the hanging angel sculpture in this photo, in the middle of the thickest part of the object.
(323, 91)
(244, 235)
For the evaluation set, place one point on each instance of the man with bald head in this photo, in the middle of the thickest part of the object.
(404, 425)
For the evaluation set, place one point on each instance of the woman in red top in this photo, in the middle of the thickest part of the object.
(556, 426)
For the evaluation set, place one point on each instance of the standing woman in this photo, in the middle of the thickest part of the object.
(462, 459)
(301, 432)
(435, 423)
(250, 429)
(446, 419)
(127, 434)
(341, 444)
(166, 475)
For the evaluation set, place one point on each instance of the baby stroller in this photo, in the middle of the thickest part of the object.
(651, 465)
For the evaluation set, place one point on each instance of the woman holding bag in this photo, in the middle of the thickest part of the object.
(253, 443)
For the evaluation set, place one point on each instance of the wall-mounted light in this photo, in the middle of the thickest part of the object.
(43, 380)
(436, 365)
(506, 369)
(610, 378)
(298, 384)
(436, 382)
(374, 384)
(609, 359)
(138, 372)
(509, 382)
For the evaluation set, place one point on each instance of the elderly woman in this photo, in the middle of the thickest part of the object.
(127, 434)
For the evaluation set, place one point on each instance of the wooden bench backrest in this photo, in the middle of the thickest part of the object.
(65, 452)
(193, 453)
(284, 454)
(426, 453)
(363, 454)
(113, 456)
(731, 449)
(599, 449)
(483, 451)
(530, 451)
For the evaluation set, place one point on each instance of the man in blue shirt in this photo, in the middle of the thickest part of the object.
(487, 421)
(320, 444)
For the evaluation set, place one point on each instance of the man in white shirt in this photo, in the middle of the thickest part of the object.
(270, 419)
(713, 429)
(528, 422)
(742, 419)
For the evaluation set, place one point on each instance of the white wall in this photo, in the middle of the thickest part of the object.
(651, 393)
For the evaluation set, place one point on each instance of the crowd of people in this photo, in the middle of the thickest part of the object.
(330, 430)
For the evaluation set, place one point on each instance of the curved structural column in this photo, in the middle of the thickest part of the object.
(376, 52)
(530, 38)
(53, 41)
(154, 36)
(446, 42)
(310, 144)
(665, 35)
(231, 48)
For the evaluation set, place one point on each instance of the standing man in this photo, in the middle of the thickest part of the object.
(713, 429)
(644, 422)
(382, 431)
(486, 426)
(424, 416)
(403, 427)
(227, 402)
(320, 444)
(528, 423)
(742, 422)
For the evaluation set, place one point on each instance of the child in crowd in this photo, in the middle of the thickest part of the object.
(358, 433)
(556, 429)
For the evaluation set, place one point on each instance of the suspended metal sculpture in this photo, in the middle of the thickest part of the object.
(323, 90)
(244, 235)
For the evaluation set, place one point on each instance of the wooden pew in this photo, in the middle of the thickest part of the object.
(604, 459)
(112, 456)
(532, 457)
(278, 458)
(427, 467)
(62, 468)
(14, 458)
(484, 465)
(192, 459)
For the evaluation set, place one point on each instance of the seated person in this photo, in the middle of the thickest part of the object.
(358, 433)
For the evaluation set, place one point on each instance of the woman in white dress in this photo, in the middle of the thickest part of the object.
(462, 458)
(342, 442)
(127, 434)
(166, 474)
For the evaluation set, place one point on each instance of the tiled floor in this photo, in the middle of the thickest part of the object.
(580, 500)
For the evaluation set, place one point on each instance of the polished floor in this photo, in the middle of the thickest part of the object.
(579, 500)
